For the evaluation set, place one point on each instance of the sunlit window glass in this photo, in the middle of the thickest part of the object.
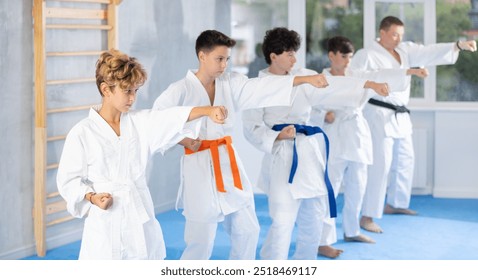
(250, 20)
(325, 19)
(458, 20)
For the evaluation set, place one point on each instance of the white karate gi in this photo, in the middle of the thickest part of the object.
(393, 155)
(95, 159)
(204, 207)
(351, 151)
(304, 201)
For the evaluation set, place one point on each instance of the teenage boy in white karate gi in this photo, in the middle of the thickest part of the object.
(214, 186)
(101, 173)
(294, 171)
(391, 173)
(351, 142)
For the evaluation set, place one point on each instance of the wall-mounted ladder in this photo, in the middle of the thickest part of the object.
(53, 22)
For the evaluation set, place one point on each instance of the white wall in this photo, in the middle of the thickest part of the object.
(451, 152)
(456, 153)
(16, 125)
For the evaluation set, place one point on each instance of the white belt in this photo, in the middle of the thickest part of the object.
(127, 195)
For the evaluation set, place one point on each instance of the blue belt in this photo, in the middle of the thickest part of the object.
(311, 130)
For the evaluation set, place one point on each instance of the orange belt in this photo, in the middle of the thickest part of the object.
(213, 145)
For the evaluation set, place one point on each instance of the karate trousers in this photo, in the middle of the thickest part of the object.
(390, 175)
(351, 177)
(241, 226)
(308, 214)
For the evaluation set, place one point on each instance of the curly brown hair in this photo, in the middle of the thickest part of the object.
(116, 68)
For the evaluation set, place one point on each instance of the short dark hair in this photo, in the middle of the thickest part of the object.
(340, 44)
(279, 40)
(209, 39)
(389, 21)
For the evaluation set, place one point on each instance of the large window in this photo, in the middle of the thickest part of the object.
(457, 20)
(426, 22)
(325, 19)
(250, 20)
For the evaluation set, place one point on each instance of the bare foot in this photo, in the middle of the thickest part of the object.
(392, 210)
(359, 238)
(367, 224)
(329, 252)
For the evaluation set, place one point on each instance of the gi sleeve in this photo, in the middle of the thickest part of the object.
(165, 128)
(430, 55)
(267, 91)
(397, 79)
(256, 131)
(317, 116)
(72, 176)
(342, 91)
(360, 60)
(174, 96)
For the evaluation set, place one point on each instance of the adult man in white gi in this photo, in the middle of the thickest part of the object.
(298, 196)
(214, 186)
(391, 174)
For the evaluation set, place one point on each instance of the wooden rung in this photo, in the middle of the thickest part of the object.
(55, 207)
(52, 166)
(53, 194)
(86, 1)
(56, 138)
(70, 81)
(59, 221)
(75, 13)
(79, 26)
(70, 109)
(82, 53)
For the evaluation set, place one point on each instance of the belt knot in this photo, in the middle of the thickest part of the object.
(213, 147)
(311, 130)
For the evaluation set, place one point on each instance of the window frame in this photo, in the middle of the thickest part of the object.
(296, 18)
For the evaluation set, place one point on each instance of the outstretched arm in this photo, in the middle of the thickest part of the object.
(383, 88)
(379, 88)
(419, 72)
(217, 114)
(466, 45)
(317, 80)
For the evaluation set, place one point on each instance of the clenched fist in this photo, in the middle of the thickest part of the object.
(218, 114)
(379, 88)
(287, 132)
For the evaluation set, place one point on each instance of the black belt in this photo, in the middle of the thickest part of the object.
(396, 108)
